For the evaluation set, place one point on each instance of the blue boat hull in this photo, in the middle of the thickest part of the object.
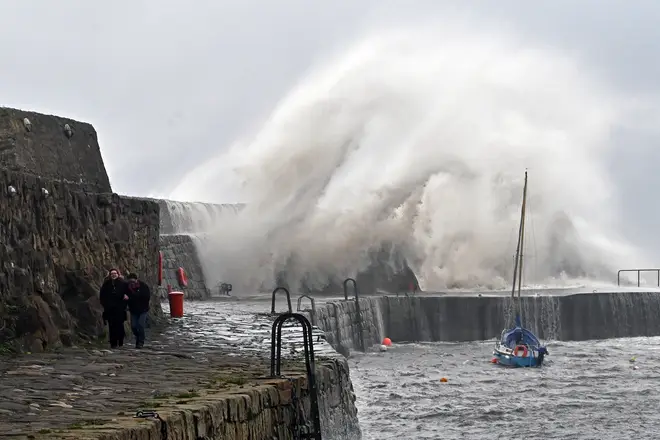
(519, 347)
(509, 360)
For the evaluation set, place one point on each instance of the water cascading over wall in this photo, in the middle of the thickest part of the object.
(182, 225)
(183, 242)
(468, 317)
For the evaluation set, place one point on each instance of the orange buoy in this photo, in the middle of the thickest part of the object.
(443, 379)
(493, 361)
(387, 342)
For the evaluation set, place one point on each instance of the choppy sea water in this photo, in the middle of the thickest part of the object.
(587, 390)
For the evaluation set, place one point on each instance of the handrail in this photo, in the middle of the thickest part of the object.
(276, 364)
(313, 313)
(346, 281)
(288, 299)
(357, 308)
(639, 271)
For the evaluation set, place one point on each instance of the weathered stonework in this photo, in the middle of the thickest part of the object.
(57, 245)
(231, 406)
(472, 317)
(180, 251)
(44, 148)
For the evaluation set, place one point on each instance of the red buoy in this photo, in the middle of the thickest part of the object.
(181, 277)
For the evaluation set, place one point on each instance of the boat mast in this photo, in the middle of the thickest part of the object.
(522, 247)
(517, 268)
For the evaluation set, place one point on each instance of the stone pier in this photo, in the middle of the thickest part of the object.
(567, 315)
(201, 385)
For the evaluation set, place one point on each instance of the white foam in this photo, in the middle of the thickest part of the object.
(420, 138)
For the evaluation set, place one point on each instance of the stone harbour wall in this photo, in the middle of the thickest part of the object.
(462, 318)
(339, 320)
(57, 246)
(181, 251)
(263, 411)
(45, 148)
(575, 317)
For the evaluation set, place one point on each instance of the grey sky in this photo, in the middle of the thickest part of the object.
(169, 83)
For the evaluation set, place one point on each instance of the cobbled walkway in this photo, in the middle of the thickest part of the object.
(216, 345)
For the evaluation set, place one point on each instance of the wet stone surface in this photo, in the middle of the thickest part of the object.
(214, 346)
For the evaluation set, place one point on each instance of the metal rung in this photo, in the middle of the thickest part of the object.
(276, 363)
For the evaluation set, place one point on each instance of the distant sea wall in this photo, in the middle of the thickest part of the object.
(183, 224)
(576, 317)
(180, 222)
(179, 250)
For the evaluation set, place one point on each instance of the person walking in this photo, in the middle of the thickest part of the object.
(138, 305)
(113, 299)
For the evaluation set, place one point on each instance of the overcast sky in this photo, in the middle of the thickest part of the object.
(169, 83)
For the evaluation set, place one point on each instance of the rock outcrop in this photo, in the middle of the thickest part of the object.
(61, 229)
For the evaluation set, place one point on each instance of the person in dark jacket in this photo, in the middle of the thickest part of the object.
(113, 299)
(138, 304)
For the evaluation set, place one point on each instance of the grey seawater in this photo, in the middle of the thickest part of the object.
(587, 390)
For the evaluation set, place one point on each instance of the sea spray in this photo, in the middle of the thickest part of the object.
(417, 140)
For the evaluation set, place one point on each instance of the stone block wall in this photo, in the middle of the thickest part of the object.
(180, 251)
(46, 150)
(468, 317)
(263, 412)
(55, 250)
(343, 330)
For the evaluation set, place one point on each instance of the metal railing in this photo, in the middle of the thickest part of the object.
(276, 364)
(357, 308)
(313, 312)
(288, 299)
(639, 273)
(355, 290)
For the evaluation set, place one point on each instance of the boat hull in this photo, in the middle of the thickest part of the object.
(506, 358)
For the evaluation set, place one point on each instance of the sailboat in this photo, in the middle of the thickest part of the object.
(518, 346)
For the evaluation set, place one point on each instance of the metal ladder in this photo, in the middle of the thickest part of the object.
(288, 299)
(276, 363)
(313, 312)
(357, 308)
